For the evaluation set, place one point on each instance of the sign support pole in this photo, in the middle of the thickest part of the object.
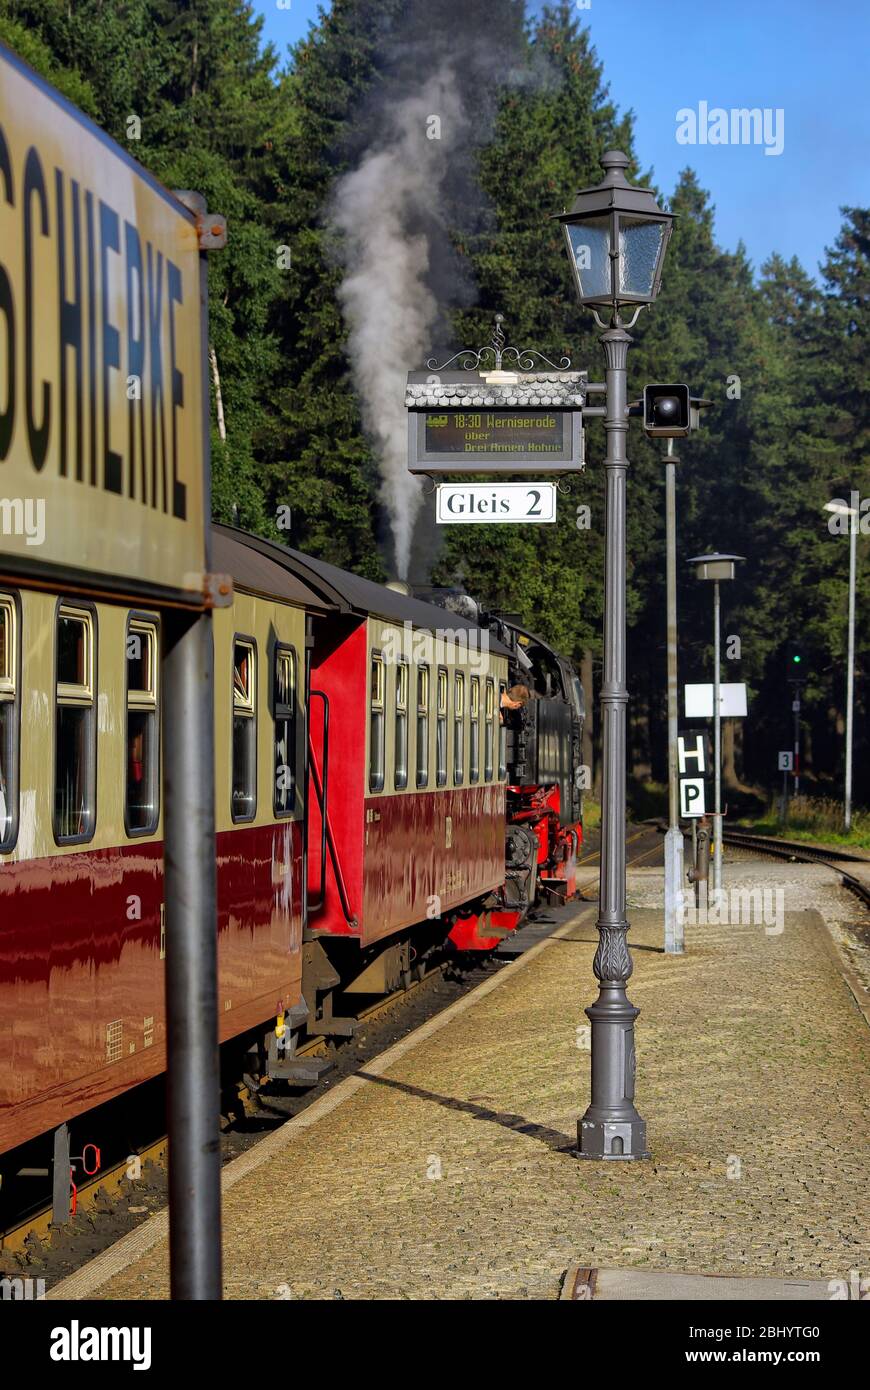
(850, 675)
(193, 1065)
(674, 931)
(717, 753)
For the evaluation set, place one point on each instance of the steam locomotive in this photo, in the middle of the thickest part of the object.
(376, 808)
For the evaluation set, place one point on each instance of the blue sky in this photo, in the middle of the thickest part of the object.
(808, 60)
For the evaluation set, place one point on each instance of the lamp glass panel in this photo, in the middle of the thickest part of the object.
(640, 245)
(589, 245)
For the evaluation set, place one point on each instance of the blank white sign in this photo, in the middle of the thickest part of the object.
(699, 701)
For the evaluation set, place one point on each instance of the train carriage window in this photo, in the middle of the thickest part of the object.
(502, 737)
(75, 749)
(141, 805)
(284, 705)
(376, 725)
(441, 731)
(243, 797)
(488, 729)
(400, 761)
(423, 726)
(458, 728)
(474, 747)
(10, 706)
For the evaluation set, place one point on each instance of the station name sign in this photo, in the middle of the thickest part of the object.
(101, 365)
(497, 422)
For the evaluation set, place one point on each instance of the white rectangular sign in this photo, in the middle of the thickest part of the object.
(785, 762)
(693, 798)
(473, 503)
(699, 701)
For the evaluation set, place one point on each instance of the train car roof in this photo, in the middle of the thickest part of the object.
(257, 572)
(350, 593)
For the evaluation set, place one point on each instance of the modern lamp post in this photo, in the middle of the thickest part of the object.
(842, 509)
(716, 567)
(616, 236)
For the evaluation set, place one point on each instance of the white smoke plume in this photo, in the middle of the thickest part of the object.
(388, 209)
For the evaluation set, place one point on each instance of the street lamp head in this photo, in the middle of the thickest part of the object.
(715, 566)
(617, 236)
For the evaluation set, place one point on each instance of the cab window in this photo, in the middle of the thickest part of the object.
(502, 737)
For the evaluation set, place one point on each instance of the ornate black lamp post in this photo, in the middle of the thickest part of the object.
(616, 236)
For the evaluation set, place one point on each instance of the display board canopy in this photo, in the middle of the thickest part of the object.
(495, 422)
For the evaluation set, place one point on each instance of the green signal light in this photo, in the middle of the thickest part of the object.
(796, 659)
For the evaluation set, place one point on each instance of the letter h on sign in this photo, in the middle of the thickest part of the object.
(692, 748)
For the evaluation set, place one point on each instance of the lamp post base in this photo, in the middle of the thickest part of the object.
(612, 1140)
(611, 1126)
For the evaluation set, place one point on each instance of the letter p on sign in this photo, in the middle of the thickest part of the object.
(692, 801)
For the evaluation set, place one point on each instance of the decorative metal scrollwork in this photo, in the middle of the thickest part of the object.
(612, 961)
(524, 358)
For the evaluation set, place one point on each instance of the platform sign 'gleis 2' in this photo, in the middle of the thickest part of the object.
(101, 373)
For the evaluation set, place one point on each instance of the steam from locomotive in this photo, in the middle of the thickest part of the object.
(387, 302)
(398, 210)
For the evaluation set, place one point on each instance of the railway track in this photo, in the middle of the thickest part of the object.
(104, 1209)
(798, 852)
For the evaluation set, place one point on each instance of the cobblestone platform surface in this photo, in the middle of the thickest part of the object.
(449, 1175)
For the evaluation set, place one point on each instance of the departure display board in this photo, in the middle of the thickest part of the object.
(496, 434)
(503, 440)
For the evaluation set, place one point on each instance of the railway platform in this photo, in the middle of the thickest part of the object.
(445, 1170)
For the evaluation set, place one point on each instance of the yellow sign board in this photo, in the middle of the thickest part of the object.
(102, 435)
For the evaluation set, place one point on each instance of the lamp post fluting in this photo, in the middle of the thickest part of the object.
(616, 237)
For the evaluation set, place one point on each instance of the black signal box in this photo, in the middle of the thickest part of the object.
(667, 411)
